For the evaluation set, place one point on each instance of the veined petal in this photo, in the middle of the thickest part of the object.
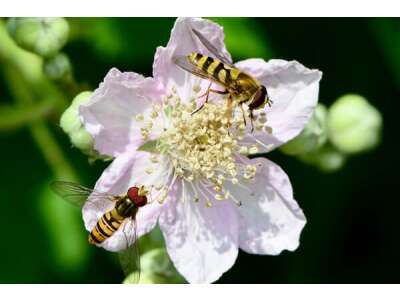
(270, 219)
(109, 116)
(294, 91)
(201, 241)
(127, 170)
(183, 42)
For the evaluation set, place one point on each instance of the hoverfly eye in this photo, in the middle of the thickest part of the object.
(263, 92)
(259, 98)
(133, 195)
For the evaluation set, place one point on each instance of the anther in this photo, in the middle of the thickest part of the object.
(268, 129)
(219, 197)
(253, 149)
(243, 150)
(208, 203)
(139, 117)
(196, 88)
(154, 114)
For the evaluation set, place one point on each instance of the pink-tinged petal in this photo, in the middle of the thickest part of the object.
(127, 170)
(294, 91)
(271, 220)
(109, 116)
(202, 242)
(182, 42)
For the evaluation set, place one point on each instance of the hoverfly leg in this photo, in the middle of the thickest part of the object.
(229, 102)
(251, 120)
(207, 93)
(243, 114)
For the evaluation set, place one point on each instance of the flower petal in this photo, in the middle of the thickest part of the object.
(271, 220)
(127, 170)
(202, 242)
(294, 91)
(183, 42)
(109, 116)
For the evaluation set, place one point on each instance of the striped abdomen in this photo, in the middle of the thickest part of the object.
(215, 68)
(241, 85)
(105, 227)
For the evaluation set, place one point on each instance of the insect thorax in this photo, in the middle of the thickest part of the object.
(125, 207)
(245, 88)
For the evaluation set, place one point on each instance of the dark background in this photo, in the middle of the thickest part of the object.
(352, 234)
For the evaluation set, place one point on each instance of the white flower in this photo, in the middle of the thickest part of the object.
(198, 171)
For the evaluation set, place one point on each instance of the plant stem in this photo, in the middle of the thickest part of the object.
(16, 117)
(23, 73)
(29, 67)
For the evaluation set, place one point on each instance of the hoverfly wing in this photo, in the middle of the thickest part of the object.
(185, 64)
(130, 257)
(214, 51)
(77, 194)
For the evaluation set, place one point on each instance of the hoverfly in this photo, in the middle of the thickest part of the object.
(124, 207)
(239, 85)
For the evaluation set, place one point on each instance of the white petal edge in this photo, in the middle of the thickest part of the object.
(270, 219)
(109, 115)
(202, 242)
(182, 42)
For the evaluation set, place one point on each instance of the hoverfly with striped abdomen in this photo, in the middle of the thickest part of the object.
(240, 86)
(124, 207)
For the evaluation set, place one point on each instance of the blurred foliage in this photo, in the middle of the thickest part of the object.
(69, 250)
(348, 238)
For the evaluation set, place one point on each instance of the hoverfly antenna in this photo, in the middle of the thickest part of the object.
(142, 191)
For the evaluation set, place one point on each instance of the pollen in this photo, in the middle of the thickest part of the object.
(139, 117)
(203, 146)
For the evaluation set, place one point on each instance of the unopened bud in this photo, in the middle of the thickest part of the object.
(43, 36)
(144, 278)
(327, 158)
(57, 67)
(313, 136)
(77, 133)
(157, 262)
(354, 124)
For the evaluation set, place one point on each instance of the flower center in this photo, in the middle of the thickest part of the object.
(200, 143)
(204, 145)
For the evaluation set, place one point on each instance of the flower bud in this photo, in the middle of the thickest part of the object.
(313, 136)
(157, 261)
(327, 159)
(43, 36)
(72, 126)
(354, 125)
(145, 278)
(57, 67)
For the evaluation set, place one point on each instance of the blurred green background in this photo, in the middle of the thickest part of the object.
(352, 234)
